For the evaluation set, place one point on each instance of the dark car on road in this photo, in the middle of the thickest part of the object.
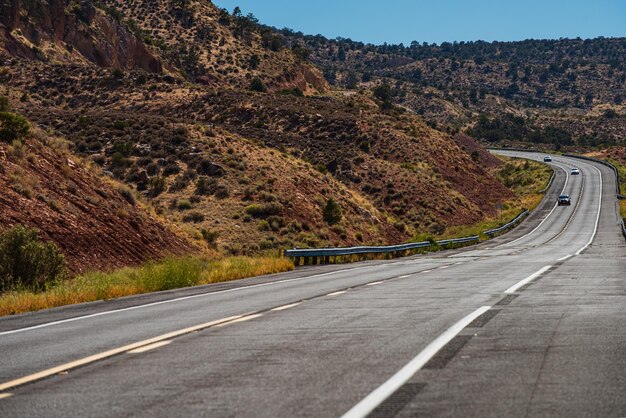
(564, 200)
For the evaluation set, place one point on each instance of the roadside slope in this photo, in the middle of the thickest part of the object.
(94, 222)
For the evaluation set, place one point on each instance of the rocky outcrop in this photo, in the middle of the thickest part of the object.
(305, 77)
(81, 29)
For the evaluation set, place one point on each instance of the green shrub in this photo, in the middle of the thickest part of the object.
(195, 217)
(210, 236)
(259, 210)
(156, 186)
(183, 204)
(205, 186)
(4, 104)
(257, 85)
(117, 73)
(27, 262)
(222, 192)
(332, 212)
(12, 127)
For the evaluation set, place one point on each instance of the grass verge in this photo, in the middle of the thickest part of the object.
(170, 273)
(622, 177)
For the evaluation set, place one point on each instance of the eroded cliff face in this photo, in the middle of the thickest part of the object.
(61, 29)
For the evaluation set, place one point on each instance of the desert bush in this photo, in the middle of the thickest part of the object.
(222, 192)
(206, 167)
(127, 194)
(4, 104)
(156, 186)
(171, 168)
(183, 204)
(257, 85)
(332, 212)
(195, 217)
(261, 210)
(26, 262)
(16, 149)
(22, 183)
(205, 186)
(210, 236)
(12, 127)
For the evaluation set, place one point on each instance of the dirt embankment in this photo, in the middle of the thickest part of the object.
(92, 222)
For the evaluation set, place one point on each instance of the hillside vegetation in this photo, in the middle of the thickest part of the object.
(97, 222)
(565, 93)
(225, 129)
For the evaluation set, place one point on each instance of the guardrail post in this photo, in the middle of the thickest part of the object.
(327, 259)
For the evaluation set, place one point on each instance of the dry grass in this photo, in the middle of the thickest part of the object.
(622, 177)
(154, 276)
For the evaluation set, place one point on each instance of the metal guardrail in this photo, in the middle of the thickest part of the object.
(341, 251)
(624, 227)
(493, 232)
(606, 163)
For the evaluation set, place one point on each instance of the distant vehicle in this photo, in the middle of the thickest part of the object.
(547, 159)
(574, 172)
(564, 200)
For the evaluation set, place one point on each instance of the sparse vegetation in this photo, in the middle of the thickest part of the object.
(27, 262)
(265, 209)
(332, 212)
(257, 85)
(154, 276)
(12, 127)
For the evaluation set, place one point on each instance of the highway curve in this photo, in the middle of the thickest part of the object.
(528, 324)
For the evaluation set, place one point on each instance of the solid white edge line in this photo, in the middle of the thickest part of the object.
(374, 283)
(547, 216)
(595, 228)
(149, 347)
(528, 279)
(378, 396)
(566, 257)
(147, 305)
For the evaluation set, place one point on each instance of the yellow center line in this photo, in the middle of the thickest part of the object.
(5, 395)
(90, 359)
(149, 347)
(242, 319)
(282, 308)
(336, 293)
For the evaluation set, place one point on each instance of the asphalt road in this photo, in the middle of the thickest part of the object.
(528, 324)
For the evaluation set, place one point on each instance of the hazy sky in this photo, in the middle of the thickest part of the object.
(395, 21)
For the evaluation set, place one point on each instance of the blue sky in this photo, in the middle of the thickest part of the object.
(395, 21)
